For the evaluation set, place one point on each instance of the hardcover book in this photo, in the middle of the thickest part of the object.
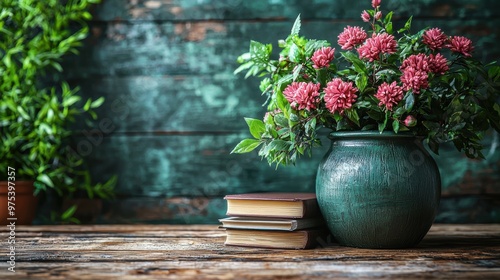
(277, 205)
(271, 223)
(300, 239)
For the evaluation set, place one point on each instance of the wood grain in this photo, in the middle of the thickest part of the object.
(197, 251)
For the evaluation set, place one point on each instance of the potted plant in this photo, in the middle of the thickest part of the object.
(380, 96)
(37, 109)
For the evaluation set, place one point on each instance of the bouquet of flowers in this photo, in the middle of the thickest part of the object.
(426, 83)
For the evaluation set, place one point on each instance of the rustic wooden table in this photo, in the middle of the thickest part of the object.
(198, 252)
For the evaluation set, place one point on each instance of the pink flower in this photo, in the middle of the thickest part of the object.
(302, 95)
(414, 79)
(410, 121)
(378, 15)
(376, 3)
(365, 16)
(389, 95)
(438, 64)
(417, 61)
(380, 43)
(351, 37)
(339, 95)
(322, 57)
(461, 45)
(434, 38)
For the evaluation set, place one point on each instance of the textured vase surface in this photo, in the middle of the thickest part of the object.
(378, 190)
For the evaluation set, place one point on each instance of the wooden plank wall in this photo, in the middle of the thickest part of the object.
(174, 110)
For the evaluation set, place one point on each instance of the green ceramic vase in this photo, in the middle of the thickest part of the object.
(378, 190)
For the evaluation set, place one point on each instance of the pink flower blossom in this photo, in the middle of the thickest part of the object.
(389, 95)
(365, 16)
(339, 95)
(414, 79)
(410, 121)
(461, 45)
(376, 3)
(351, 37)
(434, 38)
(302, 95)
(378, 15)
(438, 64)
(322, 57)
(417, 61)
(380, 43)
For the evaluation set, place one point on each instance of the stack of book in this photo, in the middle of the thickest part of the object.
(274, 220)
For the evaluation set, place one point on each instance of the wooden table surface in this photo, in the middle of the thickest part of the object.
(198, 252)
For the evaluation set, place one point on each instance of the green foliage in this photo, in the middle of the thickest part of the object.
(458, 105)
(36, 111)
(64, 218)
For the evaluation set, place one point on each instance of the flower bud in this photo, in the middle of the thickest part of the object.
(376, 3)
(410, 121)
(378, 15)
(365, 16)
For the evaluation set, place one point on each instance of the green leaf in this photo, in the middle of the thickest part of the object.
(361, 82)
(45, 179)
(244, 66)
(294, 54)
(245, 146)
(358, 65)
(86, 107)
(376, 115)
(280, 120)
(296, 26)
(71, 100)
(408, 23)
(395, 126)
(296, 72)
(23, 113)
(256, 127)
(381, 126)
(276, 145)
(45, 128)
(388, 18)
(285, 80)
(310, 126)
(431, 126)
(494, 73)
(409, 102)
(353, 116)
(69, 213)
(282, 103)
(98, 102)
(388, 28)
(313, 45)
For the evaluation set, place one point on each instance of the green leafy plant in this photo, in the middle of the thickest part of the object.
(426, 83)
(37, 110)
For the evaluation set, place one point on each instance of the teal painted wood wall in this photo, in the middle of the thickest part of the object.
(174, 110)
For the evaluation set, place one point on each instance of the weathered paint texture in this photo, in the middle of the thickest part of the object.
(174, 110)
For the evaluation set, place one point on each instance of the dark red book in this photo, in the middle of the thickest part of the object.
(277, 205)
